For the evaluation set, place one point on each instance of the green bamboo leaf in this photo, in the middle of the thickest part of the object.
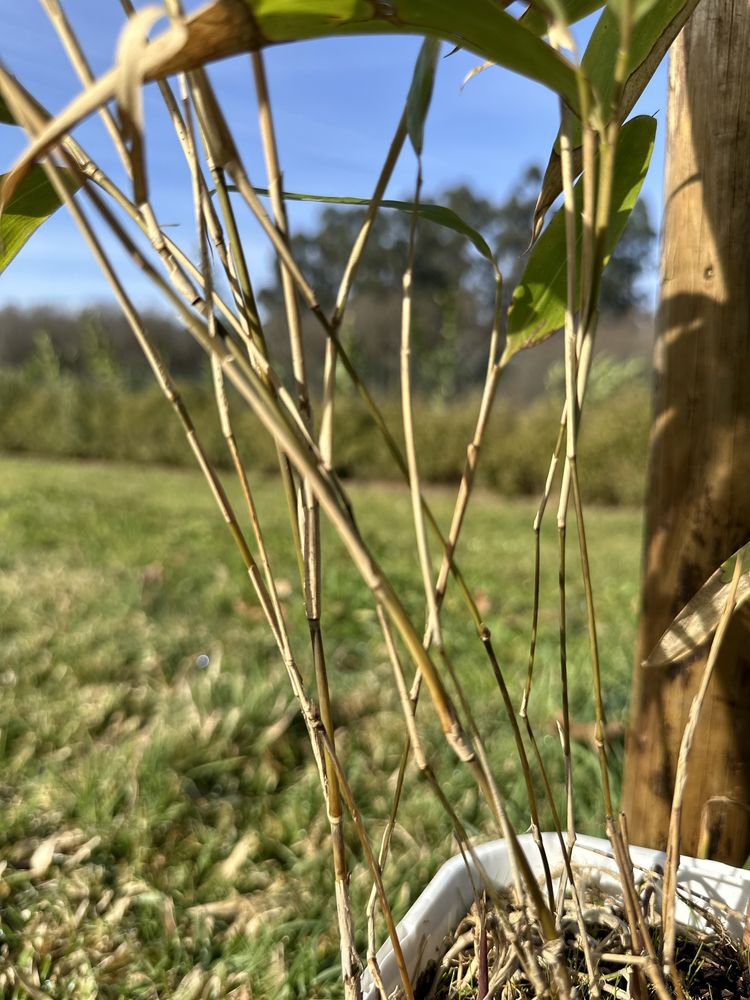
(538, 305)
(534, 20)
(223, 29)
(652, 36)
(438, 214)
(33, 201)
(696, 623)
(479, 26)
(653, 33)
(420, 92)
(640, 7)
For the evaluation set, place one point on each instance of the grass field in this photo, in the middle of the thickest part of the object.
(162, 832)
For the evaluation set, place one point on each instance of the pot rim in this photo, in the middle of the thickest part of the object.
(448, 896)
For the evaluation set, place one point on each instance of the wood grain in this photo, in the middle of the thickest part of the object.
(698, 508)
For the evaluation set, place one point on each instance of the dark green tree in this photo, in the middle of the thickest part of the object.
(634, 254)
(453, 285)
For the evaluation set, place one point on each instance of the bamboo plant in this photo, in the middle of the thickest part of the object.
(598, 163)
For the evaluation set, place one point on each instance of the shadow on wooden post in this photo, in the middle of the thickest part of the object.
(698, 506)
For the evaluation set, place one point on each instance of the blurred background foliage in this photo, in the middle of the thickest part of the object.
(75, 385)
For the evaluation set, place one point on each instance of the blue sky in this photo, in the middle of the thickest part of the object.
(336, 104)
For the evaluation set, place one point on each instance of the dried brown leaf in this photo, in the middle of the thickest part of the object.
(697, 622)
(228, 868)
(191, 986)
(117, 911)
(220, 909)
(42, 857)
(476, 70)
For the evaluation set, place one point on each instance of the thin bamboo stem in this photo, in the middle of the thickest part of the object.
(345, 288)
(523, 760)
(164, 381)
(239, 281)
(424, 556)
(537, 529)
(571, 358)
(491, 379)
(227, 156)
(637, 982)
(206, 221)
(407, 411)
(247, 190)
(315, 726)
(491, 382)
(599, 740)
(571, 426)
(176, 264)
(253, 390)
(245, 298)
(622, 859)
(564, 691)
(312, 560)
(409, 705)
(308, 462)
(290, 424)
(59, 20)
(493, 372)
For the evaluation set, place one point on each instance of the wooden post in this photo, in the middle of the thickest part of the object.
(698, 505)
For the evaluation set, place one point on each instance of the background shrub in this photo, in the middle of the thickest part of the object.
(48, 411)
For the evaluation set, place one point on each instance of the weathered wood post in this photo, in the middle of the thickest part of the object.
(698, 506)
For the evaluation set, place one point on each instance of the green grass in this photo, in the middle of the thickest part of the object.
(192, 850)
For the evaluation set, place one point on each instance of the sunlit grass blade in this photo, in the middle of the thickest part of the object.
(538, 305)
(33, 202)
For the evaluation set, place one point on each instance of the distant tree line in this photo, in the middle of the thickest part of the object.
(453, 298)
(453, 285)
(93, 342)
(76, 385)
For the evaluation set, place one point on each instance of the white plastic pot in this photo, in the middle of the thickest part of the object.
(448, 897)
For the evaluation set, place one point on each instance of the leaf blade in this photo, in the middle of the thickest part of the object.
(652, 36)
(533, 18)
(477, 25)
(33, 202)
(650, 33)
(223, 29)
(440, 215)
(538, 306)
(696, 623)
(420, 92)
